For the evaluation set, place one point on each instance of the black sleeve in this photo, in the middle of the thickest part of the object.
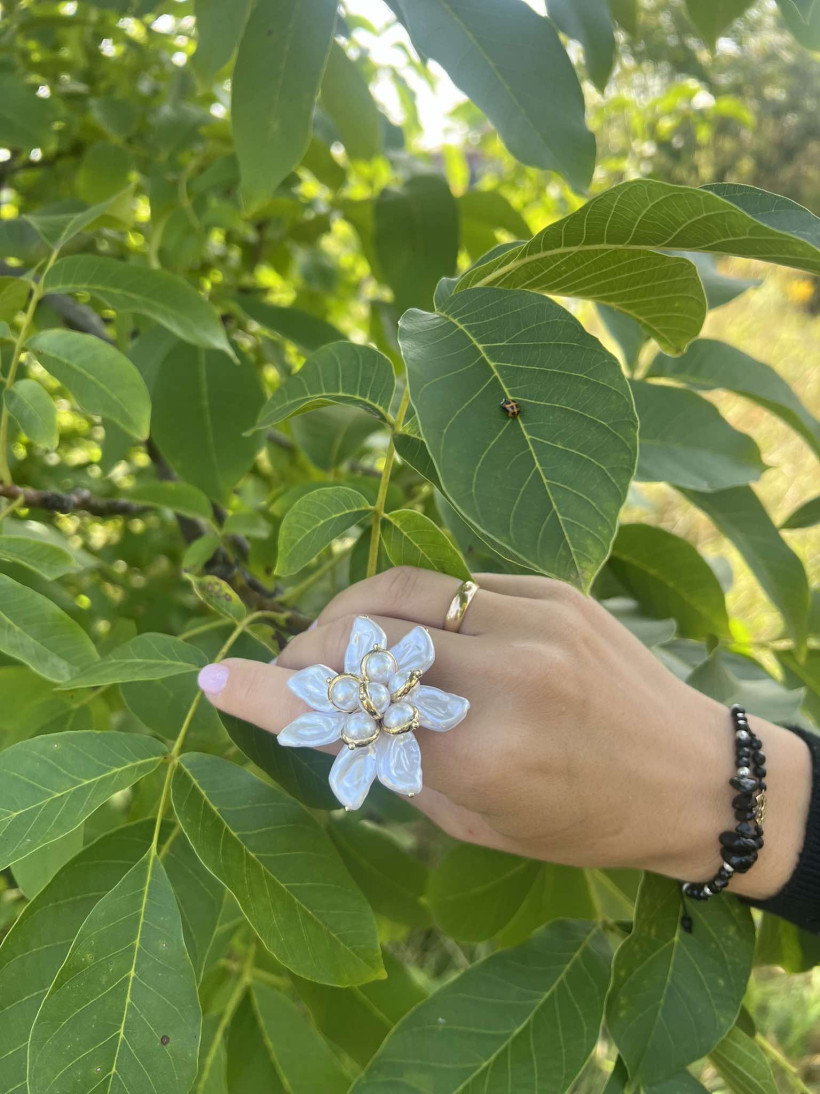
(799, 899)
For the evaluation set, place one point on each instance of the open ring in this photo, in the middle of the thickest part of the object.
(459, 605)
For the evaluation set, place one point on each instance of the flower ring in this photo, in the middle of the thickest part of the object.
(374, 706)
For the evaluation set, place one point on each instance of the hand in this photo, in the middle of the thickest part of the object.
(580, 746)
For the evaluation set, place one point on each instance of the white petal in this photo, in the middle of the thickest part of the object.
(399, 763)
(352, 774)
(311, 686)
(414, 651)
(439, 710)
(312, 730)
(365, 635)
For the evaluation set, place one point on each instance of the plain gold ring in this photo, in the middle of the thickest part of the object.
(459, 605)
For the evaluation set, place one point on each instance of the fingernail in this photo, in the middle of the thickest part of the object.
(315, 623)
(273, 660)
(213, 678)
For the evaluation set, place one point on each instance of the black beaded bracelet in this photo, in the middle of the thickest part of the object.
(738, 848)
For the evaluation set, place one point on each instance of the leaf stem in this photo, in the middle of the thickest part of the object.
(293, 594)
(242, 982)
(785, 1065)
(381, 497)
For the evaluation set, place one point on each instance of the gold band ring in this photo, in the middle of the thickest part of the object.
(459, 605)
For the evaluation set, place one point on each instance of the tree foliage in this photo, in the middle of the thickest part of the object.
(254, 343)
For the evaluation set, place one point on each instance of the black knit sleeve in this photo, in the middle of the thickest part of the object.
(799, 899)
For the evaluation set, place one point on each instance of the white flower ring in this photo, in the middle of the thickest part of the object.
(373, 705)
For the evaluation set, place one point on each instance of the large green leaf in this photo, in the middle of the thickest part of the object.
(742, 1064)
(771, 209)
(510, 62)
(669, 579)
(101, 379)
(391, 878)
(276, 78)
(684, 1082)
(37, 944)
(346, 98)
(145, 657)
(219, 28)
(160, 295)
(416, 238)
(181, 497)
(34, 630)
(13, 296)
(199, 895)
(57, 229)
(742, 518)
(341, 372)
(607, 251)
(34, 871)
(546, 485)
(314, 521)
(48, 559)
(522, 1019)
(123, 1012)
(34, 411)
(695, 981)
(708, 364)
(590, 23)
(412, 539)
(481, 214)
(305, 330)
(273, 1047)
(50, 784)
(805, 515)
(683, 439)
(203, 405)
(282, 869)
(712, 17)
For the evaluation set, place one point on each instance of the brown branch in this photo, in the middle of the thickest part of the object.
(76, 500)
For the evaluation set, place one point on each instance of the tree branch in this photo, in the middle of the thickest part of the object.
(76, 500)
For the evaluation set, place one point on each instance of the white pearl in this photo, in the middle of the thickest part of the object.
(345, 693)
(379, 666)
(379, 696)
(359, 726)
(744, 772)
(398, 714)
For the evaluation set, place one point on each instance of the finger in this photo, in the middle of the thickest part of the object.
(253, 691)
(422, 596)
(531, 586)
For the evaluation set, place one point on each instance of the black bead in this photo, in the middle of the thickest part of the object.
(743, 783)
(718, 884)
(744, 815)
(739, 862)
(749, 829)
(743, 801)
(756, 743)
(759, 770)
(761, 785)
(723, 874)
(686, 923)
(759, 757)
(741, 844)
(736, 709)
(743, 757)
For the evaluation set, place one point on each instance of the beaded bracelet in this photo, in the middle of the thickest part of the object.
(738, 848)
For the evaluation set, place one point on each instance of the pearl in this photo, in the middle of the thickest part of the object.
(744, 772)
(379, 697)
(742, 735)
(399, 715)
(378, 666)
(359, 728)
(344, 693)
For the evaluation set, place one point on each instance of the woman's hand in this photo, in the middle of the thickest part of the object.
(579, 748)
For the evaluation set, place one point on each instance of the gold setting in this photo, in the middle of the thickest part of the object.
(377, 649)
(412, 723)
(333, 680)
(413, 678)
(760, 806)
(367, 703)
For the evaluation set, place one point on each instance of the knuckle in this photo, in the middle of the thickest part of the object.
(399, 586)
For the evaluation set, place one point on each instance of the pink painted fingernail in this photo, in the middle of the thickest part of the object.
(273, 660)
(213, 678)
(315, 623)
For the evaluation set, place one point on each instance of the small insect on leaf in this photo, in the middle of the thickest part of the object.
(511, 407)
(164, 1039)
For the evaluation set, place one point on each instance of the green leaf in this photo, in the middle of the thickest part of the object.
(546, 485)
(46, 559)
(50, 784)
(341, 372)
(712, 17)
(627, 332)
(34, 411)
(219, 27)
(415, 452)
(719, 288)
(183, 498)
(145, 657)
(533, 1012)
(101, 379)
(392, 880)
(198, 894)
(273, 1047)
(773, 210)
(25, 118)
(276, 79)
(57, 229)
(685, 440)
(332, 434)
(160, 295)
(346, 98)
(590, 23)
(34, 630)
(37, 944)
(804, 516)
(305, 330)
(13, 296)
(124, 1004)
(314, 521)
(219, 596)
(708, 365)
(606, 251)
(681, 1083)
(481, 214)
(669, 579)
(282, 869)
(742, 1064)
(199, 552)
(412, 539)
(203, 406)
(416, 238)
(741, 517)
(522, 78)
(34, 871)
(695, 980)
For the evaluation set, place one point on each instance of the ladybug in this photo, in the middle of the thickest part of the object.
(511, 408)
